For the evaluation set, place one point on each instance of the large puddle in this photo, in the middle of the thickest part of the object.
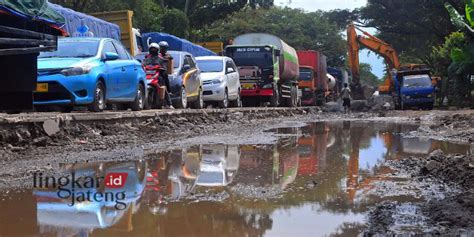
(316, 181)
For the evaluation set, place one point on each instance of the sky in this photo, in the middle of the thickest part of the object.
(377, 63)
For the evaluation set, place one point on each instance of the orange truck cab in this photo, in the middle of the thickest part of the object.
(313, 78)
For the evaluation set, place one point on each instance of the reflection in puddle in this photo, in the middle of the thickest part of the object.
(312, 182)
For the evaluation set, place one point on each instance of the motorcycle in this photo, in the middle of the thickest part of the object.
(156, 92)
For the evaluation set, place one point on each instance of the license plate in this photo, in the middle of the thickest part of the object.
(248, 86)
(42, 87)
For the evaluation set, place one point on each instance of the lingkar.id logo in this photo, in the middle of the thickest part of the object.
(78, 189)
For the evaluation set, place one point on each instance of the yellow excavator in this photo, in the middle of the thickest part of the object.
(410, 85)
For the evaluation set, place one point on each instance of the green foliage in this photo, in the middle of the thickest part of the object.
(413, 27)
(367, 77)
(299, 29)
(175, 22)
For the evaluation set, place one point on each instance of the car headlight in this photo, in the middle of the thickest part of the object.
(430, 96)
(76, 71)
(217, 81)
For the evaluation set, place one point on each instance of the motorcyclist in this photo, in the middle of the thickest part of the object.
(155, 57)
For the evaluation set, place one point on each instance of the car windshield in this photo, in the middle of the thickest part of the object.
(305, 74)
(210, 65)
(211, 178)
(73, 49)
(416, 81)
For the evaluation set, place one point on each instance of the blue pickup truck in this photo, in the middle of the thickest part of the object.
(414, 89)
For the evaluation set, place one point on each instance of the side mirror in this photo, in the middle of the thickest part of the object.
(230, 70)
(109, 56)
(277, 53)
(186, 68)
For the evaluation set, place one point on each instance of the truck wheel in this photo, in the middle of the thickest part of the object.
(225, 102)
(139, 102)
(275, 100)
(182, 100)
(98, 105)
(199, 103)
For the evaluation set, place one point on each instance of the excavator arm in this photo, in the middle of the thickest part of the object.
(376, 45)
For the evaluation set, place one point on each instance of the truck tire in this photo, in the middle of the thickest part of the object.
(275, 100)
(98, 105)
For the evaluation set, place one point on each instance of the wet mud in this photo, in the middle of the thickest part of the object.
(296, 173)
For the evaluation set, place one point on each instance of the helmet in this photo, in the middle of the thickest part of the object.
(154, 45)
(164, 44)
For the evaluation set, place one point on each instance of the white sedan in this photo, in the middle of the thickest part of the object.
(220, 80)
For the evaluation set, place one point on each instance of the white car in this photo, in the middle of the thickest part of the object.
(220, 80)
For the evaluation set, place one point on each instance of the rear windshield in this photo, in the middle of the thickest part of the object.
(73, 49)
(210, 65)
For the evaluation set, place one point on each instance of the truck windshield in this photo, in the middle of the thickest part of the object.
(305, 74)
(252, 56)
(211, 65)
(416, 81)
(73, 49)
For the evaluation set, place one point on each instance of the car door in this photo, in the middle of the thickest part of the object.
(128, 82)
(112, 71)
(191, 78)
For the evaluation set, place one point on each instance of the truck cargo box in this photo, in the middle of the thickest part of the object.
(98, 27)
(317, 61)
(176, 44)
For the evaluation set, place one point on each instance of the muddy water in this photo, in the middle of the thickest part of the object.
(316, 180)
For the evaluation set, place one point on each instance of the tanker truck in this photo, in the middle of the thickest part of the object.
(268, 69)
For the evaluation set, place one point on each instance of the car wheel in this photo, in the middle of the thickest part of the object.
(182, 100)
(139, 102)
(238, 102)
(199, 103)
(225, 102)
(98, 105)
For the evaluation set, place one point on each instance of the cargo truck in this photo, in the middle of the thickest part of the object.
(78, 24)
(176, 44)
(26, 29)
(131, 37)
(268, 68)
(313, 79)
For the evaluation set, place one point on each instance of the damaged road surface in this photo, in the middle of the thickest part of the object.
(297, 173)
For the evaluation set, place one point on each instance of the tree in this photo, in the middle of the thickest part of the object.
(303, 31)
(175, 22)
(367, 77)
(413, 27)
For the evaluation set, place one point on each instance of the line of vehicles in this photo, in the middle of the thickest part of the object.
(98, 66)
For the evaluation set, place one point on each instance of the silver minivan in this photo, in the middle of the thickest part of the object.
(220, 80)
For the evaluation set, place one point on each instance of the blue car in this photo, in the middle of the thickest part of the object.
(92, 72)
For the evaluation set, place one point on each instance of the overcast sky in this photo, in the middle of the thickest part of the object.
(377, 63)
